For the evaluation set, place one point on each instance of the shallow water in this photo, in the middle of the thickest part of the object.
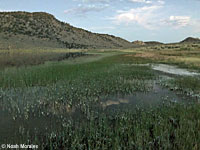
(11, 127)
(173, 70)
(156, 96)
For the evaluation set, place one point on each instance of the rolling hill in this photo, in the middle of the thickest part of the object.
(39, 29)
(191, 40)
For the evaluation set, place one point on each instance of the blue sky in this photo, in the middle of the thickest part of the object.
(147, 20)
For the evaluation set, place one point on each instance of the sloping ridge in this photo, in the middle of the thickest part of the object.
(191, 40)
(40, 29)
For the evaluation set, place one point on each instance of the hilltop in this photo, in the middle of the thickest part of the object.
(39, 29)
(191, 40)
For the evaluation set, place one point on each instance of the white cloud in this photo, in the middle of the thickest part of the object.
(101, 1)
(144, 16)
(178, 21)
(93, 1)
(141, 1)
(161, 2)
(83, 9)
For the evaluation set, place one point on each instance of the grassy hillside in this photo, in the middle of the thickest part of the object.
(39, 29)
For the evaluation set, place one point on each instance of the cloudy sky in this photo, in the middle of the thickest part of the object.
(160, 20)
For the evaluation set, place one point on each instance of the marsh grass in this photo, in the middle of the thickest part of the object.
(69, 93)
(186, 85)
(18, 58)
(47, 74)
(192, 83)
(169, 126)
(182, 55)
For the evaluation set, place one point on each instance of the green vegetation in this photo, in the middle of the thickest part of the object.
(70, 104)
(169, 126)
(190, 86)
(188, 83)
(22, 58)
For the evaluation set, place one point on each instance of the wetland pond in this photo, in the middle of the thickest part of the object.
(12, 128)
(155, 97)
(169, 69)
(173, 70)
(41, 125)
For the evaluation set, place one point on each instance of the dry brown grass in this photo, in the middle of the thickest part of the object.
(17, 58)
(187, 54)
